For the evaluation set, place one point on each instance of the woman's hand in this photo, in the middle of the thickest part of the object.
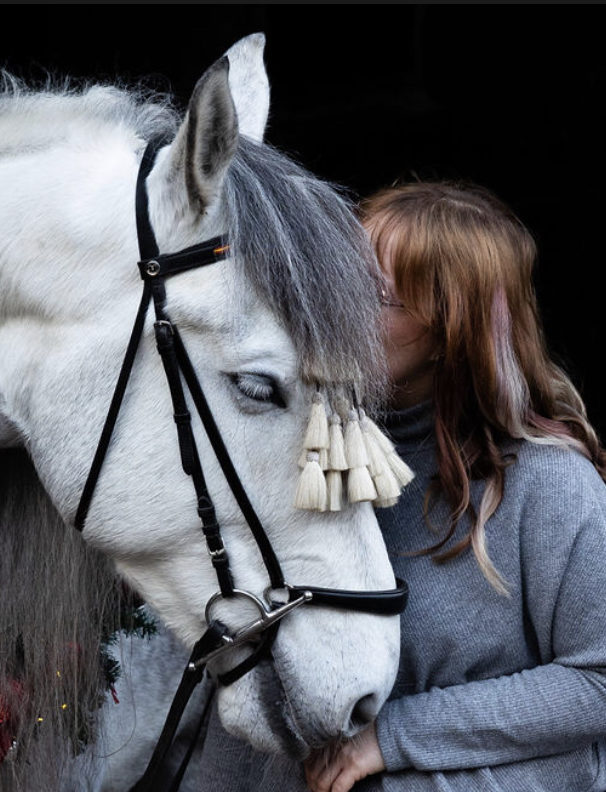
(355, 759)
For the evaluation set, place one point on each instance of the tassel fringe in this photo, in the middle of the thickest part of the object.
(347, 454)
(317, 428)
(360, 486)
(355, 449)
(311, 490)
(336, 451)
(334, 482)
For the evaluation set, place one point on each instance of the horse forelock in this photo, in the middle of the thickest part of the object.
(299, 243)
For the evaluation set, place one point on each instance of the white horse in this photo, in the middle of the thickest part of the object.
(293, 308)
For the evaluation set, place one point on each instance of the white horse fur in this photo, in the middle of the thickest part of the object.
(69, 288)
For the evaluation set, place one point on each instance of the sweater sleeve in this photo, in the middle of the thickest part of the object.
(550, 709)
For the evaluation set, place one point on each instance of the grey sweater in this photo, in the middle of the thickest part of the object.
(494, 693)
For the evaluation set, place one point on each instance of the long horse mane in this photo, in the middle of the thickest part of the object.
(56, 592)
(300, 245)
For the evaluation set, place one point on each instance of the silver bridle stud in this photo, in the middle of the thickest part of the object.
(152, 268)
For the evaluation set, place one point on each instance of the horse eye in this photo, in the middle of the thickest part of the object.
(259, 388)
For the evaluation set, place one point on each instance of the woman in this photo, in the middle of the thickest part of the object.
(501, 536)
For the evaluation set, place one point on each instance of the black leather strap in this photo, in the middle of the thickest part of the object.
(198, 735)
(269, 557)
(114, 409)
(165, 264)
(385, 603)
(148, 247)
(190, 460)
(150, 780)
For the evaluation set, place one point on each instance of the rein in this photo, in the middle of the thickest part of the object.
(154, 268)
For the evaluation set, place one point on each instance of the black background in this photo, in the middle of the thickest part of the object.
(510, 96)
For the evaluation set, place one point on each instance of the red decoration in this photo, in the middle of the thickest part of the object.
(8, 723)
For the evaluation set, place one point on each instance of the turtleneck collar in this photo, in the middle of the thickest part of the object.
(410, 426)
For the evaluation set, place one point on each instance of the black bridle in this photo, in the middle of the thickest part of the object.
(155, 267)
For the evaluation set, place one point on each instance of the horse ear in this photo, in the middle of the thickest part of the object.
(207, 139)
(249, 85)
(230, 98)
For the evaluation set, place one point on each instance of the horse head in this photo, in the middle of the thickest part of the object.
(290, 312)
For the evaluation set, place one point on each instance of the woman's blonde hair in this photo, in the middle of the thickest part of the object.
(462, 263)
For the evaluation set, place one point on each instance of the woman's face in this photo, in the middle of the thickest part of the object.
(410, 347)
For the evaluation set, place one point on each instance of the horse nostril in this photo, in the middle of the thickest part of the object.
(364, 712)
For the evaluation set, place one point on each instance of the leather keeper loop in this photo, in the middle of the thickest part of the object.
(206, 512)
(215, 542)
(164, 336)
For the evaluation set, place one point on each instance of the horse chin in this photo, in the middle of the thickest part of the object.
(267, 720)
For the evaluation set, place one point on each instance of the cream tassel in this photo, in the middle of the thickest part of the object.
(323, 458)
(401, 470)
(311, 488)
(387, 485)
(384, 442)
(360, 486)
(334, 483)
(336, 452)
(376, 455)
(378, 503)
(316, 436)
(355, 449)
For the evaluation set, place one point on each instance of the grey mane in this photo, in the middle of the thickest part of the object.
(301, 246)
(58, 601)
